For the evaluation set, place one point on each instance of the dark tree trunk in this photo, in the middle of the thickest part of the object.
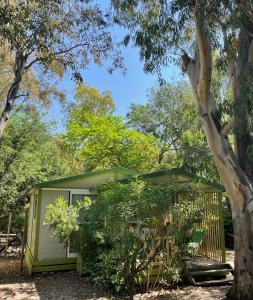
(242, 288)
(242, 94)
(130, 287)
(19, 69)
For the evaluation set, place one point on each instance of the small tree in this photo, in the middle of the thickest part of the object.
(28, 154)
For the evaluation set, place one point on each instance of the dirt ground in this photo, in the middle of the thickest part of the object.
(69, 286)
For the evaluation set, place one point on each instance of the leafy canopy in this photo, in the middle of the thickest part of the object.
(28, 154)
(106, 141)
(99, 139)
(56, 34)
(170, 115)
(91, 101)
(45, 39)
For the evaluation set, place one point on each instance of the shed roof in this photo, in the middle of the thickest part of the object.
(88, 179)
(183, 177)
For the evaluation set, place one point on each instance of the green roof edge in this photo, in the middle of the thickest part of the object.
(121, 170)
(183, 172)
(178, 171)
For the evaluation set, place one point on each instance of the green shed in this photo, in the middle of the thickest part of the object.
(44, 253)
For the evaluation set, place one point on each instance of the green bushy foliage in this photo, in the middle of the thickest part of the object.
(63, 218)
(118, 230)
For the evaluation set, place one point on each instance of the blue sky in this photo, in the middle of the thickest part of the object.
(125, 89)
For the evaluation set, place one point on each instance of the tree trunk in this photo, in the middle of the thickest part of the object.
(19, 69)
(242, 288)
(130, 287)
(236, 178)
(239, 190)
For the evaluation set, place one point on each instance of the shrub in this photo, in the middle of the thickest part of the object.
(118, 231)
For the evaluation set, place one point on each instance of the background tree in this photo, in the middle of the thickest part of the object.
(28, 154)
(55, 36)
(170, 115)
(90, 101)
(96, 138)
(107, 141)
(195, 31)
(34, 90)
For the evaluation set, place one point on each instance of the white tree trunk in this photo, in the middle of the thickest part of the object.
(235, 180)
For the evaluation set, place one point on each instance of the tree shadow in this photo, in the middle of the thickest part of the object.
(17, 288)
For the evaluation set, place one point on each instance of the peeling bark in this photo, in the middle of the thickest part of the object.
(235, 171)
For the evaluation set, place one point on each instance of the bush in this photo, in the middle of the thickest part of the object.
(118, 230)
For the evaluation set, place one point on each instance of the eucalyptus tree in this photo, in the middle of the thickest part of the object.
(51, 37)
(170, 115)
(195, 32)
(91, 101)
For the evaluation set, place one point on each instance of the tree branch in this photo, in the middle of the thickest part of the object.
(231, 124)
(60, 52)
(21, 95)
(204, 52)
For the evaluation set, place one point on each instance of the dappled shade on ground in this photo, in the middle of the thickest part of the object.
(70, 286)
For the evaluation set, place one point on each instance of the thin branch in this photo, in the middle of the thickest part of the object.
(31, 63)
(56, 54)
(21, 95)
(71, 48)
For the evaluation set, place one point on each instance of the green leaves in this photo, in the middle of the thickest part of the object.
(28, 154)
(62, 218)
(99, 139)
(170, 115)
(129, 217)
(56, 37)
(106, 141)
(119, 230)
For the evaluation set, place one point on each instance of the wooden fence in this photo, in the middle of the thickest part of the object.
(212, 246)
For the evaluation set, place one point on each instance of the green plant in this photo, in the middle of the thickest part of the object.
(122, 224)
(63, 218)
(118, 231)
